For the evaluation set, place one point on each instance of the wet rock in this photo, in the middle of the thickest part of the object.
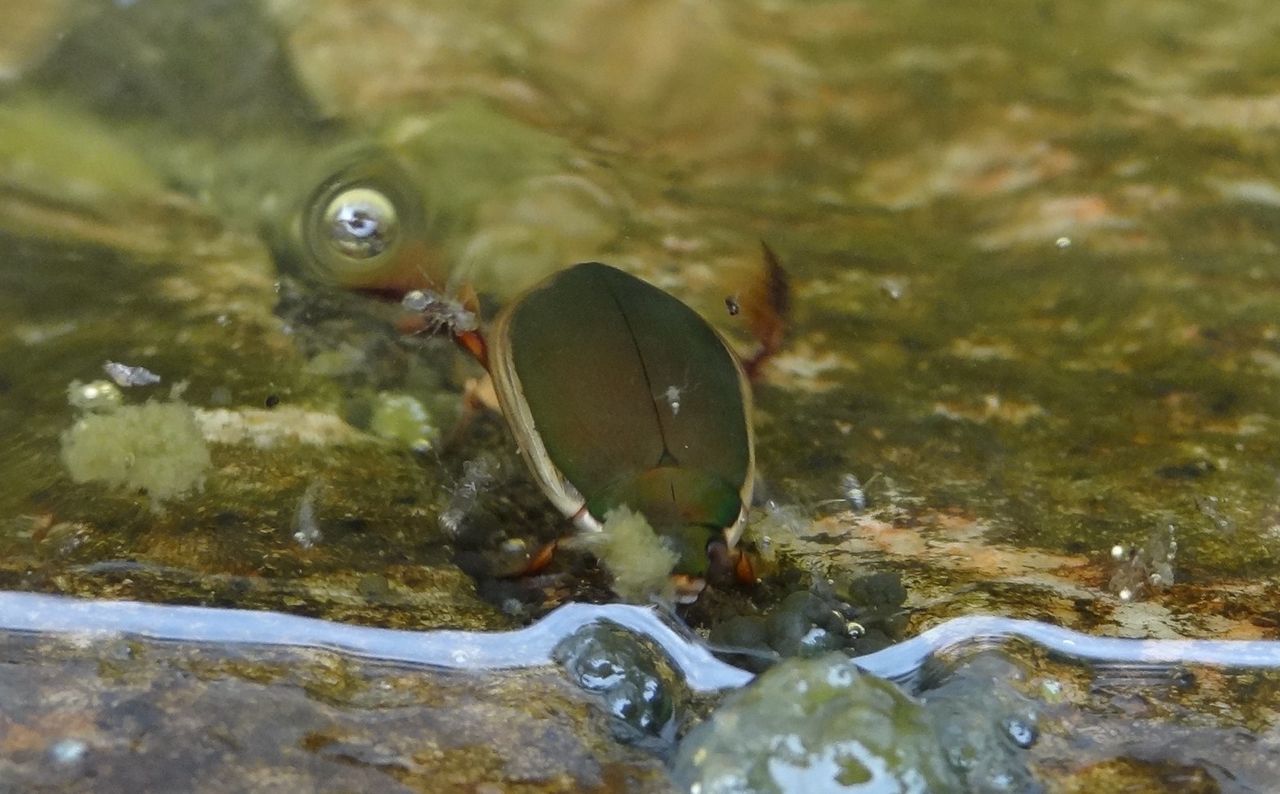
(858, 613)
(985, 724)
(815, 725)
(804, 625)
(744, 636)
(636, 683)
(79, 716)
(216, 67)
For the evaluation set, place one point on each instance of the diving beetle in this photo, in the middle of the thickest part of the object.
(620, 395)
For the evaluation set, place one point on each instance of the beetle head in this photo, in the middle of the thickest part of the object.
(706, 557)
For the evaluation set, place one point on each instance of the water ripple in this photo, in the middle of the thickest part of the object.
(532, 646)
(457, 650)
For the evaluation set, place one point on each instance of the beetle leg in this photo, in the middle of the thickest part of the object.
(470, 338)
(541, 558)
(766, 306)
(473, 342)
(743, 569)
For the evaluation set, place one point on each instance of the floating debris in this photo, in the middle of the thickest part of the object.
(478, 476)
(636, 556)
(893, 288)
(1211, 508)
(672, 396)
(126, 376)
(306, 530)
(403, 418)
(854, 493)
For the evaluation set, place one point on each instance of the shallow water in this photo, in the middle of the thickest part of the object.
(1078, 692)
(1033, 368)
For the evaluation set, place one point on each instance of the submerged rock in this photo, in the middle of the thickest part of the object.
(815, 725)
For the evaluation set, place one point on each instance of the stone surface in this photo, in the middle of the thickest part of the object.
(111, 715)
(815, 725)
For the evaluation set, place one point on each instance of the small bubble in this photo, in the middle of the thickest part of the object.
(1063, 242)
(1117, 552)
(1125, 594)
(361, 223)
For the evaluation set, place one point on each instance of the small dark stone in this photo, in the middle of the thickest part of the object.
(272, 400)
(1189, 470)
(1224, 403)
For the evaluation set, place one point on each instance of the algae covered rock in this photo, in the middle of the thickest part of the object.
(815, 725)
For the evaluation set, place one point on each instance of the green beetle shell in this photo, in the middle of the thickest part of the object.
(619, 394)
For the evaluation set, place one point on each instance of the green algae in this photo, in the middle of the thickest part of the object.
(403, 418)
(156, 447)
